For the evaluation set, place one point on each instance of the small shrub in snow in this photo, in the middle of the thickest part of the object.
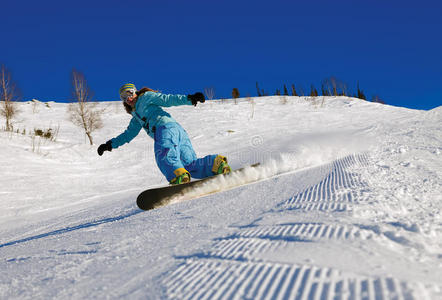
(283, 100)
(49, 134)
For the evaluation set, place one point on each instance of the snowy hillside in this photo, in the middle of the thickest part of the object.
(350, 209)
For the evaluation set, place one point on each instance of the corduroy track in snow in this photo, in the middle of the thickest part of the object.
(338, 191)
(307, 232)
(209, 279)
(231, 270)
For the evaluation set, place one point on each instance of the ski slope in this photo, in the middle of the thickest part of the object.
(347, 206)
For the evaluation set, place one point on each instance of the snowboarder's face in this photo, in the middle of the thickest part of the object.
(130, 98)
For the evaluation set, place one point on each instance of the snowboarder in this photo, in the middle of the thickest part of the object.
(174, 153)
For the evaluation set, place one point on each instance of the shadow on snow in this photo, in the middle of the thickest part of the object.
(72, 228)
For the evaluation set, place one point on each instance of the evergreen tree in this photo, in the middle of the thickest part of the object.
(361, 94)
(286, 92)
(313, 91)
(324, 90)
(294, 93)
(261, 92)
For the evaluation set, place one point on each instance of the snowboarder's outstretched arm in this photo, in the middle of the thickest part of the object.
(167, 100)
(128, 135)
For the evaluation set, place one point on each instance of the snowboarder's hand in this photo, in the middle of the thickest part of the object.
(197, 97)
(104, 147)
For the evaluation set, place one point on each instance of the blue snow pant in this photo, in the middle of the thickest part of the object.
(173, 150)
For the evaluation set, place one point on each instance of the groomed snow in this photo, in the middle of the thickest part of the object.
(348, 206)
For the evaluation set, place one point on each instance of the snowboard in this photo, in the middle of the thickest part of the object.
(160, 196)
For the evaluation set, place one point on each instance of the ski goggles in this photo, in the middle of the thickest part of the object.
(126, 94)
(126, 91)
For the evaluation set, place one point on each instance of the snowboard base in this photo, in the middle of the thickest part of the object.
(156, 197)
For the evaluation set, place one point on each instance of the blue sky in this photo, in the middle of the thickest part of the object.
(393, 48)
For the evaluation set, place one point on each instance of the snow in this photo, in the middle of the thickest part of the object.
(347, 205)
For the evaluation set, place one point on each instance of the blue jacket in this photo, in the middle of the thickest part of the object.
(148, 114)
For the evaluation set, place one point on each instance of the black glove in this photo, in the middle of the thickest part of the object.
(104, 147)
(197, 97)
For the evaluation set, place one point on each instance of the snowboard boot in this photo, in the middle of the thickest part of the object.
(220, 165)
(182, 176)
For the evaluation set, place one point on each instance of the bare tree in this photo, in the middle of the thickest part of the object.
(210, 92)
(261, 92)
(83, 112)
(334, 87)
(377, 99)
(9, 94)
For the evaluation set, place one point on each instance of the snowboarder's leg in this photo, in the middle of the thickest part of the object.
(168, 154)
(208, 166)
(175, 156)
(187, 153)
(198, 167)
(201, 167)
